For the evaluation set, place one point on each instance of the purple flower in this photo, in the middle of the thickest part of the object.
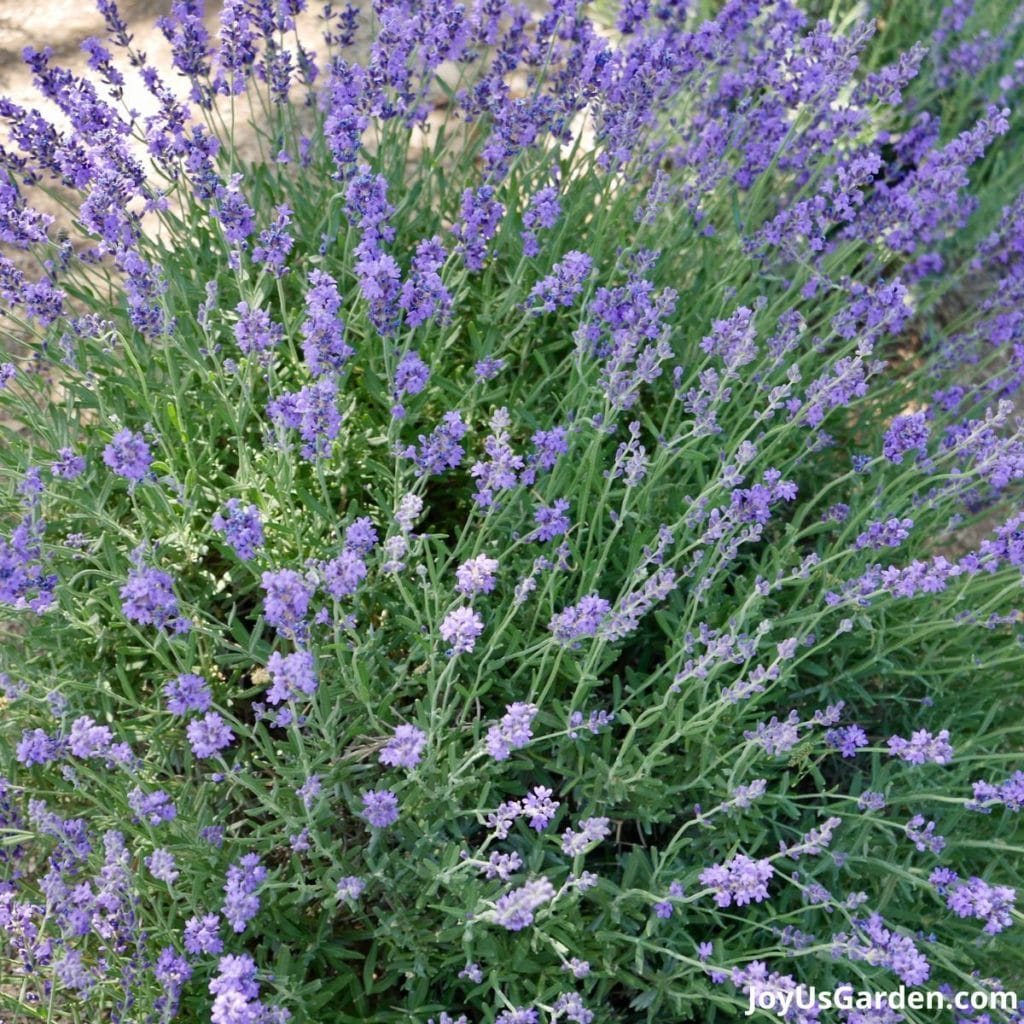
(68, 465)
(905, 434)
(740, 880)
(87, 739)
(405, 748)
(37, 747)
(342, 575)
(472, 972)
(515, 909)
(324, 346)
(424, 295)
(148, 598)
(870, 800)
(542, 211)
(479, 218)
(187, 693)
(488, 369)
(156, 807)
(563, 284)
(502, 865)
(350, 888)
(922, 835)
(744, 796)
(922, 748)
(1009, 793)
(500, 470)
(309, 791)
(776, 737)
(591, 830)
(409, 508)
(380, 807)
(241, 527)
(275, 243)
(551, 522)
(162, 866)
(128, 455)
(441, 450)
(361, 536)
(513, 732)
(209, 735)
(241, 903)
(411, 376)
(580, 620)
(975, 898)
(847, 740)
(379, 278)
(461, 628)
(875, 944)
(290, 675)
(255, 333)
(287, 601)
(540, 808)
(201, 935)
(519, 1015)
(571, 1005)
(313, 412)
(889, 534)
(476, 576)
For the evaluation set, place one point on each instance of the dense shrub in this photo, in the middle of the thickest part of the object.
(534, 534)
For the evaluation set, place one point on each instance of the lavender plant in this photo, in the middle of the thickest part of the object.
(534, 537)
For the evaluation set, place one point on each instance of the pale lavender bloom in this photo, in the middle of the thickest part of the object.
(577, 968)
(476, 576)
(201, 935)
(405, 748)
(740, 880)
(922, 835)
(187, 693)
(776, 737)
(309, 791)
(504, 817)
(871, 801)
(87, 739)
(514, 730)
(128, 455)
(515, 909)
(409, 509)
(488, 369)
(472, 972)
(461, 628)
(922, 748)
(350, 887)
(540, 808)
(380, 807)
(571, 1005)
(209, 735)
(502, 865)
(591, 830)
(744, 796)
(291, 675)
(240, 900)
(162, 866)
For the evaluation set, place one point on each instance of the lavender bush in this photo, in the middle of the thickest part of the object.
(534, 537)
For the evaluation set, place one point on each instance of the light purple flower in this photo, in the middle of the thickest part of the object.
(380, 807)
(461, 628)
(405, 748)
